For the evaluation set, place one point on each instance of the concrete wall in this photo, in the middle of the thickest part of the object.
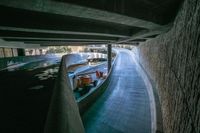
(63, 115)
(8, 52)
(86, 101)
(15, 52)
(172, 60)
(1, 52)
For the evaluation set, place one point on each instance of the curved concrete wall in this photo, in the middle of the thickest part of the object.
(85, 102)
(172, 61)
(156, 115)
(63, 115)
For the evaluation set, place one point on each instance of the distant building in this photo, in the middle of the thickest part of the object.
(38, 51)
(77, 48)
(8, 52)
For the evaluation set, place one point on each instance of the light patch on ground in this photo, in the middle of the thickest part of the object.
(36, 87)
(49, 73)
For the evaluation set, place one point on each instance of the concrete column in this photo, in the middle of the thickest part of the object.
(12, 52)
(7, 52)
(1, 53)
(21, 52)
(109, 49)
(15, 52)
(4, 52)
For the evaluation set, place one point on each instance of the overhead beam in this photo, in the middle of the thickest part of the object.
(51, 39)
(6, 44)
(17, 34)
(53, 7)
(58, 32)
(71, 43)
(146, 33)
(157, 11)
(63, 42)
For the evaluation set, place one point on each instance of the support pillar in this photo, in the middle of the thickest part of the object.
(21, 52)
(4, 55)
(109, 49)
(12, 52)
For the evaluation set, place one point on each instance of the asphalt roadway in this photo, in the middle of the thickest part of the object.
(124, 107)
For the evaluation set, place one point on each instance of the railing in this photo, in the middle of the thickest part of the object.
(63, 115)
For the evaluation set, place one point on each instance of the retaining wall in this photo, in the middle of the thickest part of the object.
(63, 115)
(172, 61)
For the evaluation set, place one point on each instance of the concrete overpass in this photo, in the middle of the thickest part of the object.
(68, 22)
(167, 32)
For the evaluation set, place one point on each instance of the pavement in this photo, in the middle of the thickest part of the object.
(124, 107)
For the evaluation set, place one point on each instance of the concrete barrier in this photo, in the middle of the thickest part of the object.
(86, 101)
(63, 115)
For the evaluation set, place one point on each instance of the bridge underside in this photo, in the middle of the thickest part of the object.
(169, 53)
(68, 22)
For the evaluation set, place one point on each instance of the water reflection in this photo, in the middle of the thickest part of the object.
(31, 65)
(48, 73)
(36, 87)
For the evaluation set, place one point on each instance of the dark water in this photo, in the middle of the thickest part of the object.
(25, 94)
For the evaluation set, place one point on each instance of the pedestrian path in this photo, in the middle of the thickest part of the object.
(124, 107)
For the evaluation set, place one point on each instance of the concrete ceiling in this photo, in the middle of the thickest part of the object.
(72, 22)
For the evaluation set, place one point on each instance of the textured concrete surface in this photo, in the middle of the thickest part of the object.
(63, 22)
(156, 114)
(173, 60)
(124, 106)
(63, 115)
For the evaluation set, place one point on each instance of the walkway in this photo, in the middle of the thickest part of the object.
(124, 107)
